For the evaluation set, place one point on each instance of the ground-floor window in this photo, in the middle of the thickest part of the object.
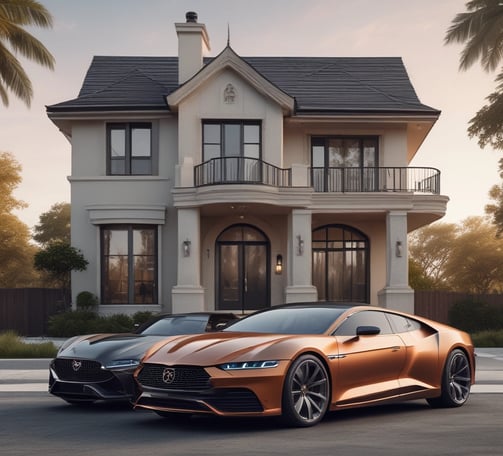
(341, 264)
(129, 264)
(243, 271)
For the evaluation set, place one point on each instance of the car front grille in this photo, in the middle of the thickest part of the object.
(80, 370)
(174, 377)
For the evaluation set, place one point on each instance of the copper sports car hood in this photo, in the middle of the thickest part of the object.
(217, 348)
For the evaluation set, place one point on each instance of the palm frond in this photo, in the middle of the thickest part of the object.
(13, 77)
(25, 12)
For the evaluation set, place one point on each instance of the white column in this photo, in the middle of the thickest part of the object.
(188, 295)
(300, 287)
(397, 294)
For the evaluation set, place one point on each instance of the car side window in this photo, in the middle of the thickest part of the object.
(364, 318)
(402, 324)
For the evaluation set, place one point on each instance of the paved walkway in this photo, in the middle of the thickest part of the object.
(23, 375)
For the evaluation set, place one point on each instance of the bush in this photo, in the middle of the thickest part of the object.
(474, 316)
(86, 301)
(488, 339)
(142, 317)
(79, 322)
(11, 346)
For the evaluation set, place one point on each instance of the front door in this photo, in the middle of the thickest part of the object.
(242, 269)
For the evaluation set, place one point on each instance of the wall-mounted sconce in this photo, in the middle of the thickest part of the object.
(300, 245)
(398, 249)
(186, 248)
(279, 264)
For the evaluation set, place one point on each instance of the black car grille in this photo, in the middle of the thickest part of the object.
(80, 370)
(225, 400)
(174, 378)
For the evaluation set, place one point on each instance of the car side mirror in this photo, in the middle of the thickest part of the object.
(367, 330)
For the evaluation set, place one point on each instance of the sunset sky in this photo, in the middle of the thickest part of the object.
(412, 30)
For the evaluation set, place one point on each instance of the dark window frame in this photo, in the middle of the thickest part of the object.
(129, 158)
(131, 256)
(222, 123)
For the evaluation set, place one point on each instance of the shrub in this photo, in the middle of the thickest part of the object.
(86, 301)
(142, 317)
(79, 322)
(488, 338)
(473, 316)
(11, 346)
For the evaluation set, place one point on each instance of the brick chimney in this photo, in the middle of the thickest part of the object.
(193, 42)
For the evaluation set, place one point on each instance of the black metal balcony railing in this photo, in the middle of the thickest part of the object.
(245, 170)
(376, 179)
(240, 170)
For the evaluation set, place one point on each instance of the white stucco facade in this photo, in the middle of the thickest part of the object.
(281, 222)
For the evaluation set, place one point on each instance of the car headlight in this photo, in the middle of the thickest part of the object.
(122, 364)
(249, 365)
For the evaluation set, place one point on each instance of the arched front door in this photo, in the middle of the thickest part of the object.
(243, 271)
(341, 264)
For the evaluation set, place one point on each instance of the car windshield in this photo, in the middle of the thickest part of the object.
(176, 325)
(289, 320)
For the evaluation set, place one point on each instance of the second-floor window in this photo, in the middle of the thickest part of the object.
(231, 139)
(129, 149)
(344, 163)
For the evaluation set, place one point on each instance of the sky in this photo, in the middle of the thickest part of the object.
(414, 31)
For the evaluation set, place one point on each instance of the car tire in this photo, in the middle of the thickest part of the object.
(456, 381)
(306, 392)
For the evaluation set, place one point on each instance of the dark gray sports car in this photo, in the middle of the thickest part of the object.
(100, 366)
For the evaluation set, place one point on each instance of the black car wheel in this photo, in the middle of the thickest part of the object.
(306, 392)
(456, 381)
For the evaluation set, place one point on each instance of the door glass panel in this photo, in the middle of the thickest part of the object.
(232, 138)
(229, 277)
(255, 277)
(319, 274)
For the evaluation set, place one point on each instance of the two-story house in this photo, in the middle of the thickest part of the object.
(238, 183)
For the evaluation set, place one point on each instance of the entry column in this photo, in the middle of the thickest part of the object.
(397, 294)
(300, 285)
(188, 294)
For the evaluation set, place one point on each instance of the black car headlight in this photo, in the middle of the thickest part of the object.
(249, 365)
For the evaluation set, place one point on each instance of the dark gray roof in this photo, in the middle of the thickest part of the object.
(329, 85)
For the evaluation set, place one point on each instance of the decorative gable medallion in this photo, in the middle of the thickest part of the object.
(229, 94)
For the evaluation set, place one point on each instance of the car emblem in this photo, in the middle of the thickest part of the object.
(168, 375)
(76, 365)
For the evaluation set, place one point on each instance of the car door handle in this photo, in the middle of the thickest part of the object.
(395, 348)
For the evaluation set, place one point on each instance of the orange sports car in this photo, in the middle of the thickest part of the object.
(302, 360)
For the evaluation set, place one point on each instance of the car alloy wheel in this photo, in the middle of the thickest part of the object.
(456, 381)
(306, 392)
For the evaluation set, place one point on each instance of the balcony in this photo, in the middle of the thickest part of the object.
(240, 170)
(245, 170)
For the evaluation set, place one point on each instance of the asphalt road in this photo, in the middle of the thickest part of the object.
(32, 422)
(37, 424)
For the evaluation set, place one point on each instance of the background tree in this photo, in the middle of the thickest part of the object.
(467, 257)
(54, 225)
(58, 260)
(16, 252)
(430, 248)
(476, 261)
(14, 15)
(480, 29)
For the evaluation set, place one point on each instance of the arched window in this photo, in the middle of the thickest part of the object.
(341, 264)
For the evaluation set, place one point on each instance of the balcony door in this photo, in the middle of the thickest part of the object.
(234, 150)
(344, 164)
(242, 269)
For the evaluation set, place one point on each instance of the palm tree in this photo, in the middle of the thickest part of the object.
(14, 40)
(481, 29)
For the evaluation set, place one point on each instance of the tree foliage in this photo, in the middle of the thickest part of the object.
(58, 260)
(467, 257)
(16, 252)
(54, 225)
(14, 39)
(495, 209)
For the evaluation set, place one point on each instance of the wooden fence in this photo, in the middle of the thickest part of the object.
(27, 310)
(435, 305)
